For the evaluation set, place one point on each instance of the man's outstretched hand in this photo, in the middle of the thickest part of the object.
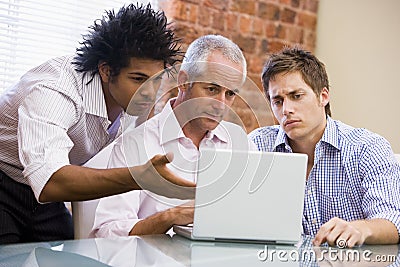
(157, 178)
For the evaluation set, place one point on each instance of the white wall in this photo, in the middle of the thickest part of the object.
(359, 42)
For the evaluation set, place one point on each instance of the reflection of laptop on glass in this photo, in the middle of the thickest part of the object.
(248, 196)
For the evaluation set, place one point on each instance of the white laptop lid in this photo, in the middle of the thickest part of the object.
(249, 195)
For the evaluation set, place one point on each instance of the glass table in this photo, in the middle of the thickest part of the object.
(164, 250)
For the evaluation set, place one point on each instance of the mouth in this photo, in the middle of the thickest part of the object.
(290, 122)
(144, 104)
(216, 117)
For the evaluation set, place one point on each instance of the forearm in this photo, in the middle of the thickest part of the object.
(76, 183)
(377, 231)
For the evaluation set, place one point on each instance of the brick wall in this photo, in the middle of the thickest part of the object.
(258, 27)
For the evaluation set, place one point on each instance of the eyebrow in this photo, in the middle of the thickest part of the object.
(236, 90)
(295, 91)
(275, 97)
(214, 83)
(138, 73)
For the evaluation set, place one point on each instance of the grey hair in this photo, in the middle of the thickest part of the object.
(200, 49)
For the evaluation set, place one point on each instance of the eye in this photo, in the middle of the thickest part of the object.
(212, 89)
(138, 79)
(297, 96)
(230, 94)
(277, 102)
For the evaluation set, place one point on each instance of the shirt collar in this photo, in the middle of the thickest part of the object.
(281, 139)
(330, 135)
(170, 129)
(219, 132)
(93, 96)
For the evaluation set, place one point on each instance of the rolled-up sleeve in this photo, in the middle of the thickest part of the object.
(116, 215)
(381, 173)
(44, 119)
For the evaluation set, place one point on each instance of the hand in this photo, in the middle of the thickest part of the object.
(156, 177)
(341, 233)
(160, 222)
(183, 214)
(364, 256)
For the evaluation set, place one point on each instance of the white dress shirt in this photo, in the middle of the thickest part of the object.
(51, 118)
(116, 215)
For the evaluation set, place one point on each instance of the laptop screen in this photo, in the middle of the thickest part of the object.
(249, 195)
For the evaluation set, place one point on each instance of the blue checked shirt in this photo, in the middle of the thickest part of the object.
(355, 175)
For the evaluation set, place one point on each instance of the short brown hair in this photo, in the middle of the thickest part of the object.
(296, 59)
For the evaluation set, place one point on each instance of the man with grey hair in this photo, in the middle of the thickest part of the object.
(210, 77)
(200, 50)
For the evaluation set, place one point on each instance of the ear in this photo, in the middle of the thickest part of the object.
(104, 71)
(183, 80)
(324, 97)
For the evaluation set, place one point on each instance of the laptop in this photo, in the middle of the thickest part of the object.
(248, 196)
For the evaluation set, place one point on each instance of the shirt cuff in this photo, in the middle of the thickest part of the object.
(38, 176)
(114, 229)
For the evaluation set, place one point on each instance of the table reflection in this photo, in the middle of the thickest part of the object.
(164, 250)
(205, 253)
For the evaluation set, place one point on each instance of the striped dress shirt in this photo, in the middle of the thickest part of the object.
(355, 175)
(54, 116)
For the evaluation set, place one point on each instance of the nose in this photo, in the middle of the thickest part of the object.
(219, 102)
(147, 90)
(287, 107)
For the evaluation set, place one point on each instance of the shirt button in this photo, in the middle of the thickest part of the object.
(309, 192)
(314, 221)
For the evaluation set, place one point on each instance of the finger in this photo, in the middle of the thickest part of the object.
(353, 241)
(176, 187)
(165, 173)
(162, 181)
(189, 204)
(334, 235)
(163, 159)
(323, 232)
(342, 240)
(171, 190)
(173, 186)
(170, 156)
(176, 180)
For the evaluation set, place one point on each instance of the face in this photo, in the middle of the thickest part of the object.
(299, 111)
(132, 89)
(209, 98)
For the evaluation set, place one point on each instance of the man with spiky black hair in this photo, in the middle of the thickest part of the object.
(63, 112)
